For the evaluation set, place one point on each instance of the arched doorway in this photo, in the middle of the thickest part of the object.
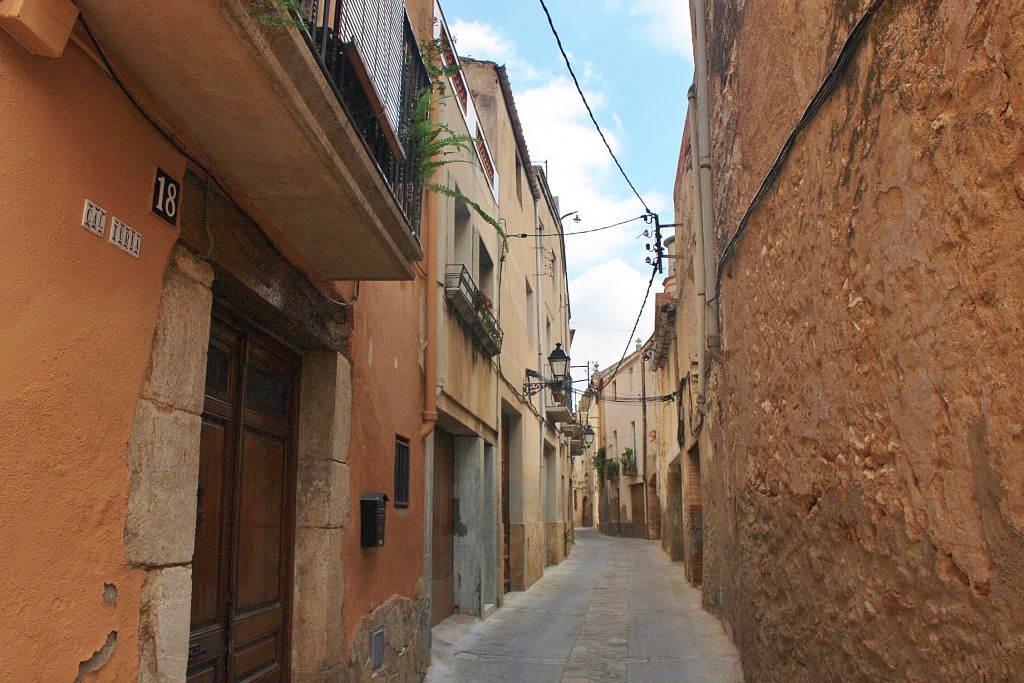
(588, 512)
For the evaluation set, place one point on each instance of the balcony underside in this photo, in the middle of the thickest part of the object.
(254, 105)
(557, 412)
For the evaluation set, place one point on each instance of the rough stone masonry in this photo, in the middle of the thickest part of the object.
(866, 500)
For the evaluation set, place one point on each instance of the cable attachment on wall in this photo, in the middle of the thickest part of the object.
(344, 304)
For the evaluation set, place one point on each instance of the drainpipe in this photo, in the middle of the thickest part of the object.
(539, 280)
(699, 262)
(643, 408)
(429, 236)
(704, 150)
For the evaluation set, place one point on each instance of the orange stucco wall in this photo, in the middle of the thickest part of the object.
(76, 320)
(387, 400)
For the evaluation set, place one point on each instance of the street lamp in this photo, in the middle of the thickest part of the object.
(559, 364)
(588, 436)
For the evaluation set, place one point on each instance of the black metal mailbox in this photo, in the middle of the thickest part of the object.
(372, 512)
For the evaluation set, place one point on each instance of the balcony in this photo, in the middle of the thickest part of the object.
(558, 404)
(472, 309)
(304, 126)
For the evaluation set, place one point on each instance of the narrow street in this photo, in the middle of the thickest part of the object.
(616, 610)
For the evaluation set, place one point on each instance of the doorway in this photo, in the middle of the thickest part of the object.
(443, 550)
(241, 570)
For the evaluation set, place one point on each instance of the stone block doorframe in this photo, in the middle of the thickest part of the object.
(163, 464)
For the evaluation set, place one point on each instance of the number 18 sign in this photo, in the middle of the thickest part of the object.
(166, 196)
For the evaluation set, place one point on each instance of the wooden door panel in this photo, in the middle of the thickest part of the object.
(636, 495)
(241, 569)
(443, 551)
(506, 520)
(208, 600)
(260, 525)
(260, 657)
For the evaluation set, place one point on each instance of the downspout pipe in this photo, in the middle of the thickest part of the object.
(699, 262)
(538, 327)
(703, 136)
(430, 237)
(430, 351)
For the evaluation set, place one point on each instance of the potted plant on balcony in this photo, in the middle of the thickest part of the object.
(629, 462)
(611, 468)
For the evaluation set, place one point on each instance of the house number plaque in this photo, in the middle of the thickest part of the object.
(166, 196)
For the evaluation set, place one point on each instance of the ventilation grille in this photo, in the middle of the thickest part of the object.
(377, 648)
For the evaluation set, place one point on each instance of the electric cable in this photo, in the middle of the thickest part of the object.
(586, 104)
(577, 232)
(828, 86)
(640, 315)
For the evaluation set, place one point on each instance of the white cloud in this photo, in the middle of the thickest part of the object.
(605, 303)
(581, 172)
(609, 265)
(666, 23)
(480, 40)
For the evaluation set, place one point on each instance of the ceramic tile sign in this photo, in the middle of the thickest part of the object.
(94, 219)
(166, 196)
(125, 238)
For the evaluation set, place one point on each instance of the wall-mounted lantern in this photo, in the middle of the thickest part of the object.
(559, 364)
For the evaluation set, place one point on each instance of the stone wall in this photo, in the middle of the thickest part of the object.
(864, 505)
(406, 624)
(555, 542)
(163, 464)
(527, 556)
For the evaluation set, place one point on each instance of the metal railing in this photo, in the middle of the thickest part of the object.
(473, 309)
(368, 52)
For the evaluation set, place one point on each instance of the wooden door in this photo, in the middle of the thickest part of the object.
(506, 518)
(636, 500)
(241, 570)
(443, 550)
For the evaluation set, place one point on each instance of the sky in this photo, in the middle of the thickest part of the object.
(633, 60)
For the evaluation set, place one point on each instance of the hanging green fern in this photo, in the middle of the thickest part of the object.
(434, 144)
(276, 14)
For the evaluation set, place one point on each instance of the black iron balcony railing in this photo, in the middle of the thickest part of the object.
(368, 52)
(473, 309)
(560, 400)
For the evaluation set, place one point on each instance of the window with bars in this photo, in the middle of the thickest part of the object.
(401, 498)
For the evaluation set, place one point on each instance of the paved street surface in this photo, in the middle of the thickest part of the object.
(616, 610)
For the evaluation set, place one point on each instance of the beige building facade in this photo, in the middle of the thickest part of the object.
(532, 296)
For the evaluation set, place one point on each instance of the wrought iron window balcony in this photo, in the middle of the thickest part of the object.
(307, 125)
(559, 402)
(471, 307)
(368, 52)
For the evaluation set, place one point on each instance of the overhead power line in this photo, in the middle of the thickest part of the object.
(586, 104)
(577, 232)
(824, 92)
(629, 341)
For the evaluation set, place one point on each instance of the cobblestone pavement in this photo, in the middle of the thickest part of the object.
(616, 610)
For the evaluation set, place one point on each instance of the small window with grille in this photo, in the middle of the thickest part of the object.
(401, 472)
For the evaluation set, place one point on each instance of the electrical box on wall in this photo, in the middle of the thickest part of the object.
(372, 512)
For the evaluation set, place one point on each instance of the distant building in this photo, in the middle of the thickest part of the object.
(620, 401)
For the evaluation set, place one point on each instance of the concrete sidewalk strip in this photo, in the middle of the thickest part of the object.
(616, 610)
